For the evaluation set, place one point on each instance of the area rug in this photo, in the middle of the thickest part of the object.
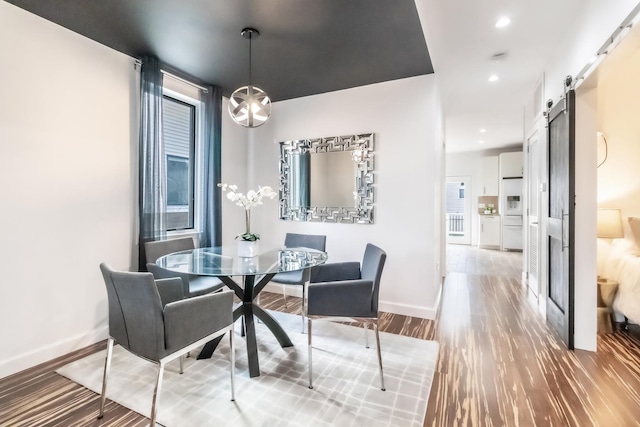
(346, 381)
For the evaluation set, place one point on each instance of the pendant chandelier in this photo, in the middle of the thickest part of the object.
(249, 106)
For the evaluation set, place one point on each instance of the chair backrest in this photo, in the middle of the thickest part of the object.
(372, 265)
(311, 241)
(135, 312)
(155, 250)
(161, 273)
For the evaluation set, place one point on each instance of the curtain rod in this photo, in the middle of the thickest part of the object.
(202, 88)
(137, 63)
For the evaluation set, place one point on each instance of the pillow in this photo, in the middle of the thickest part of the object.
(618, 250)
(634, 225)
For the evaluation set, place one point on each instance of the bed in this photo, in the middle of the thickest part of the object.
(619, 260)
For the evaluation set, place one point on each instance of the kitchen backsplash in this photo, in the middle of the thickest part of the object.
(487, 202)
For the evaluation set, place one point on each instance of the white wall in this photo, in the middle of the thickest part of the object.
(408, 150)
(585, 271)
(66, 167)
(582, 38)
(618, 110)
(235, 170)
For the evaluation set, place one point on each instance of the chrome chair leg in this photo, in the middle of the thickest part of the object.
(303, 309)
(232, 357)
(105, 376)
(375, 328)
(284, 295)
(156, 393)
(366, 334)
(310, 360)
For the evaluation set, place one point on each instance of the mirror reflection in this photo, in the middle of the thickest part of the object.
(327, 179)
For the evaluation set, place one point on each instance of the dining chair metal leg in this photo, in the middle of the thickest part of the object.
(303, 309)
(310, 360)
(156, 393)
(366, 334)
(284, 295)
(232, 357)
(375, 328)
(105, 375)
(181, 364)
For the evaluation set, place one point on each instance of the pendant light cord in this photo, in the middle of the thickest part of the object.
(250, 37)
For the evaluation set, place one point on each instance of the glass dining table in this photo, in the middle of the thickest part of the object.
(255, 273)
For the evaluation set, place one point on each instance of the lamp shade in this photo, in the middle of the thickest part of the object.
(610, 224)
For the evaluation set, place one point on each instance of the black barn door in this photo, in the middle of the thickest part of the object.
(561, 219)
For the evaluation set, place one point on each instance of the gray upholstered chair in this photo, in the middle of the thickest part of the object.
(345, 291)
(153, 320)
(193, 285)
(300, 277)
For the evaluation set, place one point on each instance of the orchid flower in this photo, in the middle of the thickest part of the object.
(248, 201)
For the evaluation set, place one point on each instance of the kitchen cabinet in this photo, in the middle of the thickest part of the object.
(490, 180)
(489, 231)
(511, 165)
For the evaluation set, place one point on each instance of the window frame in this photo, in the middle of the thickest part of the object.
(194, 161)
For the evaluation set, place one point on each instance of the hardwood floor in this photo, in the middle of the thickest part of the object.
(499, 365)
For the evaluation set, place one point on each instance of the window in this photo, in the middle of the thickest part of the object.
(177, 181)
(179, 136)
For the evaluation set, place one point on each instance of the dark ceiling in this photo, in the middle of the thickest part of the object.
(306, 47)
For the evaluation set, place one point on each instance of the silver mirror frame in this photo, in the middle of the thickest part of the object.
(362, 149)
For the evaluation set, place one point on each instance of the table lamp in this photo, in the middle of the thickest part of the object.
(609, 224)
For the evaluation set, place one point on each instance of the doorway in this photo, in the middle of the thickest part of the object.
(458, 209)
(615, 90)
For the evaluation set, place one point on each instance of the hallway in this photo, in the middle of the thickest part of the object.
(500, 365)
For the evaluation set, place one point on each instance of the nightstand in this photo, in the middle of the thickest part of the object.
(606, 293)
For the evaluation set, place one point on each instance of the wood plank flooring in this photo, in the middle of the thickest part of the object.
(499, 365)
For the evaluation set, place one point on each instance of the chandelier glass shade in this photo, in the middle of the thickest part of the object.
(249, 105)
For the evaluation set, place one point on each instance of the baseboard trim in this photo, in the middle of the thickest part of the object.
(429, 313)
(390, 307)
(408, 310)
(51, 351)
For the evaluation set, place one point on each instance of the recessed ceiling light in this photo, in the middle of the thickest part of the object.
(483, 130)
(481, 142)
(494, 78)
(503, 22)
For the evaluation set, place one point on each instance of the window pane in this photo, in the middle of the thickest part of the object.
(177, 181)
(178, 127)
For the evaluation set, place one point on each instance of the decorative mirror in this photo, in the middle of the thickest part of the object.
(327, 179)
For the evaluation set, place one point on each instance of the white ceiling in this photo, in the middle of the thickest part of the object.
(462, 37)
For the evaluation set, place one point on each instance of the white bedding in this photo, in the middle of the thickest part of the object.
(621, 262)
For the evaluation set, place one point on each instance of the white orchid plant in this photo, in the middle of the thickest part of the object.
(248, 201)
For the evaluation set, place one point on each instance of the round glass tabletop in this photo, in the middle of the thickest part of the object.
(224, 261)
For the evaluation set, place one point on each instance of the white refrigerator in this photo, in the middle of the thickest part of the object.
(511, 199)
